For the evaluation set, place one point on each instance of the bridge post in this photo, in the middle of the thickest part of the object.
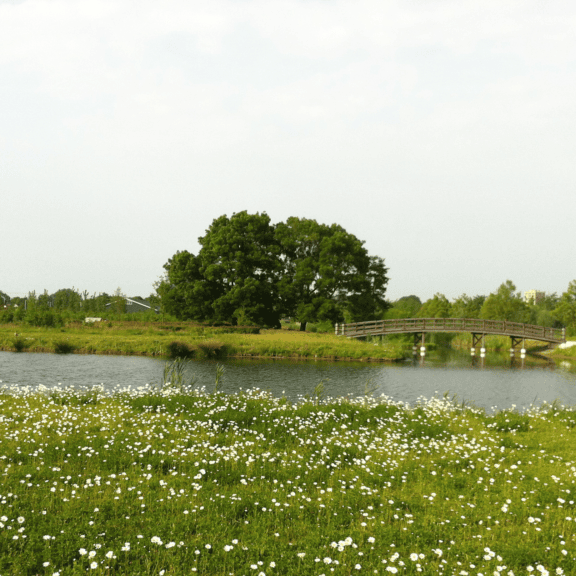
(514, 341)
(476, 339)
(419, 338)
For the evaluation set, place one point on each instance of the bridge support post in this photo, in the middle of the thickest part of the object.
(478, 338)
(514, 341)
(419, 339)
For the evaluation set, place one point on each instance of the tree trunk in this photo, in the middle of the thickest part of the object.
(303, 326)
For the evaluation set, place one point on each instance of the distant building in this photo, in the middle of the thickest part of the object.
(533, 296)
(135, 305)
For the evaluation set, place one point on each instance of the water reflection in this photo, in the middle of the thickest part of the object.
(494, 381)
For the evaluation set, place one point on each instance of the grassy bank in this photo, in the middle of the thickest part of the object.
(173, 483)
(153, 339)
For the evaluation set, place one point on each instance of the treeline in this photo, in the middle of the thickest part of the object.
(68, 305)
(548, 310)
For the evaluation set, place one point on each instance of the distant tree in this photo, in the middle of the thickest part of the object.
(327, 272)
(44, 301)
(565, 310)
(66, 299)
(436, 307)
(505, 304)
(467, 306)
(405, 307)
(118, 302)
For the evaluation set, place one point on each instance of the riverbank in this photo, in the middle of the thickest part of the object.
(173, 483)
(188, 340)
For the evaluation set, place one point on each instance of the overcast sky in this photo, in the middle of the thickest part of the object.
(442, 133)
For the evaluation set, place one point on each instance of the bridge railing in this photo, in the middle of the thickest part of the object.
(474, 325)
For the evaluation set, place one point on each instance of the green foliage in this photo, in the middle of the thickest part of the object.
(405, 307)
(436, 307)
(565, 310)
(327, 271)
(505, 304)
(63, 347)
(211, 349)
(178, 349)
(467, 306)
(249, 271)
(20, 344)
(233, 277)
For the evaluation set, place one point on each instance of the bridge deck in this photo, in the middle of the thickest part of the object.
(421, 325)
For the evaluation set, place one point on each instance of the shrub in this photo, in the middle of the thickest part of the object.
(178, 349)
(212, 349)
(19, 343)
(63, 347)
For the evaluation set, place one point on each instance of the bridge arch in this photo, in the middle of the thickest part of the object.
(478, 328)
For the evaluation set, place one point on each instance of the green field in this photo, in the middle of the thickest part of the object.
(156, 339)
(174, 482)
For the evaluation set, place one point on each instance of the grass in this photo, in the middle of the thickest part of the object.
(172, 482)
(188, 340)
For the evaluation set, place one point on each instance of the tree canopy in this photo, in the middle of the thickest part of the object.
(249, 270)
(565, 310)
(505, 304)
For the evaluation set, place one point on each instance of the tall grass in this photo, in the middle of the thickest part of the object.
(153, 339)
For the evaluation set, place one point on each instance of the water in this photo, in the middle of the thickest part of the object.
(489, 383)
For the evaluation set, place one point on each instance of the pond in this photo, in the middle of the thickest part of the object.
(493, 382)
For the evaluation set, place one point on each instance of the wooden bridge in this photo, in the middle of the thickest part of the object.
(479, 329)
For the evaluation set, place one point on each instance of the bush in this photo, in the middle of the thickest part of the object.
(212, 349)
(63, 347)
(178, 349)
(19, 343)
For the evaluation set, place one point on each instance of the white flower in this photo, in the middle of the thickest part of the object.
(170, 544)
(301, 554)
(94, 565)
(110, 554)
(413, 557)
(46, 564)
(272, 564)
(227, 548)
(91, 554)
(82, 551)
(358, 567)
(327, 560)
(21, 519)
(156, 540)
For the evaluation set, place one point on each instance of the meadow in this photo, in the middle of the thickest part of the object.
(190, 340)
(169, 480)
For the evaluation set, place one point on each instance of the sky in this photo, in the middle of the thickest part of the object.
(441, 133)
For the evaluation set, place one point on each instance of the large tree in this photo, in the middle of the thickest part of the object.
(250, 271)
(328, 273)
(232, 279)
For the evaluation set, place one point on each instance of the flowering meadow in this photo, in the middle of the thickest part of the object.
(167, 481)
